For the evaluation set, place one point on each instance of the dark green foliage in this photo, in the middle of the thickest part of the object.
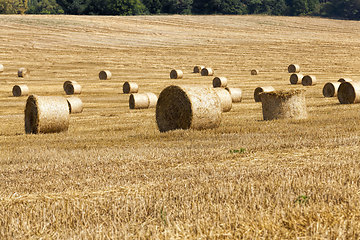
(219, 7)
(44, 7)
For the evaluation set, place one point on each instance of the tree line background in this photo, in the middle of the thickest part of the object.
(347, 9)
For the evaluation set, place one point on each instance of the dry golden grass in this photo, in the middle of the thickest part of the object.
(114, 175)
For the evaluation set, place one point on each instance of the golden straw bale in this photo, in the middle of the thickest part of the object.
(308, 80)
(296, 78)
(1, 68)
(23, 72)
(47, 114)
(75, 104)
(152, 99)
(254, 72)
(139, 101)
(349, 92)
(220, 82)
(197, 69)
(330, 89)
(293, 68)
(283, 104)
(68, 82)
(105, 75)
(72, 88)
(236, 94)
(176, 74)
(225, 99)
(188, 107)
(130, 87)
(207, 71)
(20, 90)
(341, 80)
(259, 90)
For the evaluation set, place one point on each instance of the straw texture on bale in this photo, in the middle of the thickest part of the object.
(225, 99)
(48, 114)
(341, 80)
(220, 82)
(254, 72)
(105, 75)
(259, 90)
(176, 74)
(330, 89)
(20, 90)
(72, 88)
(75, 105)
(1, 68)
(308, 80)
(152, 99)
(130, 87)
(197, 69)
(68, 82)
(188, 107)
(139, 101)
(235, 93)
(349, 92)
(296, 78)
(23, 72)
(284, 104)
(207, 72)
(293, 68)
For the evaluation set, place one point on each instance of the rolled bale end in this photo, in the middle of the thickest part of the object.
(23, 72)
(130, 87)
(73, 88)
(197, 69)
(235, 93)
(188, 107)
(296, 78)
(207, 72)
(341, 80)
(152, 99)
(284, 105)
(308, 80)
(293, 68)
(75, 105)
(1, 68)
(139, 101)
(225, 99)
(349, 92)
(47, 114)
(20, 90)
(220, 82)
(68, 82)
(254, 72)
(105, 75)
(330, 89)
(259, 90)
(176, 74)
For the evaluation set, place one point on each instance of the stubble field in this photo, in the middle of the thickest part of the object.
(114, 175)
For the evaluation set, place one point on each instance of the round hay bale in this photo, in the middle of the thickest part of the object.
(220, 82)
(308, 80)
(152, 99)
(197, 69)
(75, 105)
(20, 90)
(296, 78)
(1, 68)
(68, 82)
(349, 92)
(254, 72)
(293, 68)
(236, 94)
(341, 80)
(176, 74)
(207, 72)
(130, 87)
(105, 75)
(330, 89)
(188, 107)
(72, 88)
(46, 114)
(259, 90)
(283, 104)
(139, 101)
(225, 99)
(23, 72)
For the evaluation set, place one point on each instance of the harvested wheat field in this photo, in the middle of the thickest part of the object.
(113, 174)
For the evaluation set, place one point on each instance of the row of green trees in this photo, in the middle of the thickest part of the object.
(349, 9)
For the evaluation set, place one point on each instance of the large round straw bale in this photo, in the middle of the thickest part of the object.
(236, 94)
(130, 87)
(284, 104)
(293, 68)
(197, 69)
(349, 92)
(341, 80)
(46, 114)
(72, 88)
(105, 75)
(139, 101)
(75, 104)
(176, 74)
(220, 82)
(254, 72)
(207, 71)
(330, 89)
(259, 90)
(23, 72)
(296, 78)
(152, 99)
(68, 82)
(308, 80)
(225, 99)
(1, 68)
(184, 107)
(20, 90)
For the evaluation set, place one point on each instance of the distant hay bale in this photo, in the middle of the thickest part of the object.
(188, 107)
(225, 99)
(259, 90)
(308, 80)
(75, 105)
(130, 87)
(176, 74)
(197, 69)
(68, 82)
(254, 72)
(284, 104)
(330, 89)
(1, 68)
(72, 88)
(105, 75)
(293, 68)
(207, 72)
(296, 78)
(46, 114)
(349, 92)
(341, 80)
(20, 90)
(139, 101)
(235, 93)
(220, 82)
(23, 72)
(152, 99)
